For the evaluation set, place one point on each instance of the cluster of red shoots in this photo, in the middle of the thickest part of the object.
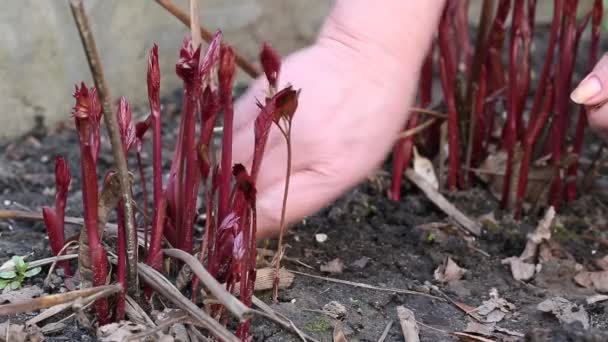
(475, 80)
(228, 247)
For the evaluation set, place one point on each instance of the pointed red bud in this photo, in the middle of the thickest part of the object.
(271, 63)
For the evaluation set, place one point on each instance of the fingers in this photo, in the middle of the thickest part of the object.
(593, 93)
(593, 89)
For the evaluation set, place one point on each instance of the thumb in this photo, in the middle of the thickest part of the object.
(593, 89)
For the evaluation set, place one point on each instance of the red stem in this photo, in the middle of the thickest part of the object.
(563, 81)
(596, 15)
(532, 134)
(448, 72)
(402, 151)
(510, 130)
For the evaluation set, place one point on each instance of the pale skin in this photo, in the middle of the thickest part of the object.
(358, 79)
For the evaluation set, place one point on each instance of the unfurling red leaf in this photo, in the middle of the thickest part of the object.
(187, 65)
(125, 125)
(226, 72)
(286, 103)
(271, 63)
(62, 175)
(153, 78)
(212, 55)
(8, 275)
(244, 182)
(32, 272)
(87, 114)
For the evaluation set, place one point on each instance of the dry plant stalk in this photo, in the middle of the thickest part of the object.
(56, 299)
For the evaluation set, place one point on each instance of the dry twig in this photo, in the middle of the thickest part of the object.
(56, 299)
(367, 286)
(440, 201)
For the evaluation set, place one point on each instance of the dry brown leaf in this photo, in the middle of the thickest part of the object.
(409, 327)
(21, 295)
(479, 328)
(18, 333)
(565, 311)
(338, 335)
(523, 267)
(449, 271)
(495, 308)
(597, 281)
(118, 332)
(519, 269)
(602, 263)
(424, 167)
(335, 266)
(492, 171)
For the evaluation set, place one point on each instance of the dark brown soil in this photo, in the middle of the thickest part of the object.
(380, 242)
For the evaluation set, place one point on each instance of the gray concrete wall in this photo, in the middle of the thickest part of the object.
(41, 57)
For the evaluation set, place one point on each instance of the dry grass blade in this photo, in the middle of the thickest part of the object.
(448, 208)
(413, 131)
(164, 287)
(88, 42)
(280, 319)
(136, 313)
(235, 306)
(182, 16)
(385, 332)
(42, 262)
(46, 314)
(429, 112)
(54, 264)
(56, 299)
(367, 286)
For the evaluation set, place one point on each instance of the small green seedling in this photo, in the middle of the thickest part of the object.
(14, 279)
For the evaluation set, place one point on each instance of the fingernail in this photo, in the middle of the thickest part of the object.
(588, 88)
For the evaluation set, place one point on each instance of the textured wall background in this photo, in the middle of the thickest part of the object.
(41, 57)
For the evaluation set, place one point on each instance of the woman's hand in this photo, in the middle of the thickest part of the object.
(593, 93)
(357, 82)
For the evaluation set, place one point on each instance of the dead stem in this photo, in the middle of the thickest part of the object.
(442, 203)
(163, 286)
(54, 264)
(367, 286)
(90, 49)
(287, 134)
(236, 307)
(56, 299)
(385, 332)
(413, 131)
(429, 112)
(182, 16)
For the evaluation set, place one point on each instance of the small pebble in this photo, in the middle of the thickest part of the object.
(321, 237)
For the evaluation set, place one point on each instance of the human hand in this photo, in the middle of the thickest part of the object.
(356, 88)
(593, 93)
